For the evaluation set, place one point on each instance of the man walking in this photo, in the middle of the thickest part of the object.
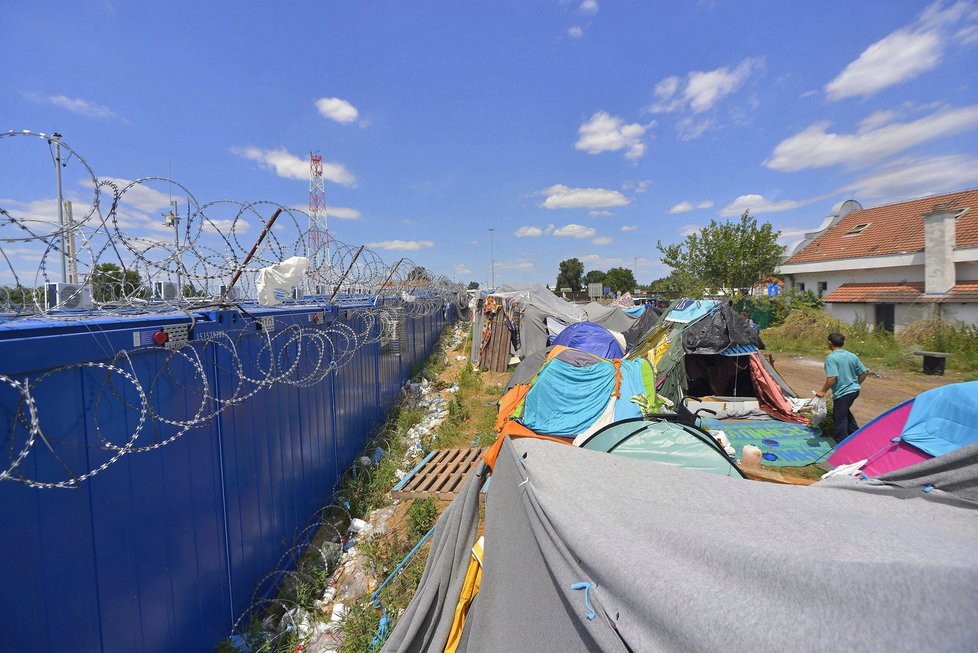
(844, 373)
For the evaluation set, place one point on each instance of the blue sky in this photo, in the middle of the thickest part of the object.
(588, 129)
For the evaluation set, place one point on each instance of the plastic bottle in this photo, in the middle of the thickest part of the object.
(750, 456)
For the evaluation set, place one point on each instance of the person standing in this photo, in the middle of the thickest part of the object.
(844, 373)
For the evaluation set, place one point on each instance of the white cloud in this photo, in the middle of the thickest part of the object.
(589, 7)
(575, 32)
(402, 245)
(629, 227)
(462, 268)
(218, 225)
(560, 196)
(606, 133)
(689, 230)
(531, 232)
(910, 177)
(876, 119)
(603, 240)
(141, 196)
(639, 186)
(575, 231)
(75, 105)
(686, 207)
(290, 166)
(760, 204)
(815, 147)
(605, 262)
(337, 109)
(792, 236)
(343, 213)
(520, 266)
(906, 53)
(600, 214)
(703, 89)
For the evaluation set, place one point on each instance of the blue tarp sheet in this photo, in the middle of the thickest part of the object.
(565, 400)
(636, 311)
(690, 310)
(631, 385)
(944, 419)
(791, 445)
(590, 337)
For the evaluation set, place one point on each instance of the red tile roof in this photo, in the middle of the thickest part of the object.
(963, 292)
(877, 293)
(900, 293)
(893, 229)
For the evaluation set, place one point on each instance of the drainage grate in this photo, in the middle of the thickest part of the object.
(440, 475)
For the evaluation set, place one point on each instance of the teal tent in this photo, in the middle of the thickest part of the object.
(663, 441)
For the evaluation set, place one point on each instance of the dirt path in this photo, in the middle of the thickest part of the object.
(805, 374)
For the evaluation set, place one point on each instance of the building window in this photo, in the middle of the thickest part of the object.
(801, 287)
(858, 229)
(822, 287)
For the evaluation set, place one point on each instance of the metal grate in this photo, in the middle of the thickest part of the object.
(440, 475)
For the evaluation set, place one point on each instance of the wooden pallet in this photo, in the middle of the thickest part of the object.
(441, 475)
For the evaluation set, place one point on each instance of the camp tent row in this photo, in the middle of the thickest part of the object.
(585, 550)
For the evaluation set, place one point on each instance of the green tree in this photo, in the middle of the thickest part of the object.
(594, 276)
(570, 274)
(677, 285)
(620, 280)
(18, 296)
(419, 274)
(111, 283)
(727, 256)
(473, 285)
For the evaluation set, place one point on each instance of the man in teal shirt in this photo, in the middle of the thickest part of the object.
(843, 374)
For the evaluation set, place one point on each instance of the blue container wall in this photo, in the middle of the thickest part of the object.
(163, 550)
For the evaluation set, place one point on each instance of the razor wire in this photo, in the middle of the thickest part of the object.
(125, 265)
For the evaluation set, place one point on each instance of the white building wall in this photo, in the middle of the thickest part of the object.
(967, 313)
(852, 312)
(835, 278)
(967, 271)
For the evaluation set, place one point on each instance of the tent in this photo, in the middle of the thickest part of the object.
(935, 422)
(586, 551)
(532, 307)
(641, 327)
(663, 441)
(573, 394)
(704, 349)
(590, 337)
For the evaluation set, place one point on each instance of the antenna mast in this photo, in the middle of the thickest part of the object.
(319, 253)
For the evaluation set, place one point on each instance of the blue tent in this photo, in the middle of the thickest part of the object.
(590, 337)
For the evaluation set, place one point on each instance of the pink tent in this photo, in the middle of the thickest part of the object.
(874, 442)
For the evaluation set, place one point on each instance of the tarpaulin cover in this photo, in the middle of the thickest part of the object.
(797, 444)
(590, 337)
(636, 311)
(718, 331)
(588, 551)
(690, 310)
(565, 400)
(944, 419)
(643, 325)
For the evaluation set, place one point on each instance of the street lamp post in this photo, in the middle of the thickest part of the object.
(492, 257)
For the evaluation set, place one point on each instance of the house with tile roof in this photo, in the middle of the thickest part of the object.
(894, 264)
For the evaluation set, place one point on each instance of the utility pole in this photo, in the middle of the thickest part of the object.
(70, 245)
(56, 137)
(172, 219)
(492, 257)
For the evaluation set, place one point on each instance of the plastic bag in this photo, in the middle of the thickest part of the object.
(275, 283)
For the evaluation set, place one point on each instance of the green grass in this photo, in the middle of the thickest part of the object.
(805, 331)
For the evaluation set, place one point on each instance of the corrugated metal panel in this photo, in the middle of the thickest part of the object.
(164, 549)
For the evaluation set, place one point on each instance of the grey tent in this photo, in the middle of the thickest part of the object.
(586, 551)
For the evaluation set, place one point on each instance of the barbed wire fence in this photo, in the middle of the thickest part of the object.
(119, 271)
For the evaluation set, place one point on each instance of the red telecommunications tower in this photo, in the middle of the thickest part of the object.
(318, 245)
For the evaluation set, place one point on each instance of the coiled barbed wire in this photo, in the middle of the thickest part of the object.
(126, 264)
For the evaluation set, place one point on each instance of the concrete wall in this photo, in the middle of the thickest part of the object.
(967, 313)
(835, 278)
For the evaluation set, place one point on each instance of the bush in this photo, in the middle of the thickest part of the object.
(422, 515)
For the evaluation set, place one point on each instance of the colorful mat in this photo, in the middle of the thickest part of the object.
(782, 444)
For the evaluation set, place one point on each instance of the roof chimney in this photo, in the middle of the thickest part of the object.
(939, 241)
